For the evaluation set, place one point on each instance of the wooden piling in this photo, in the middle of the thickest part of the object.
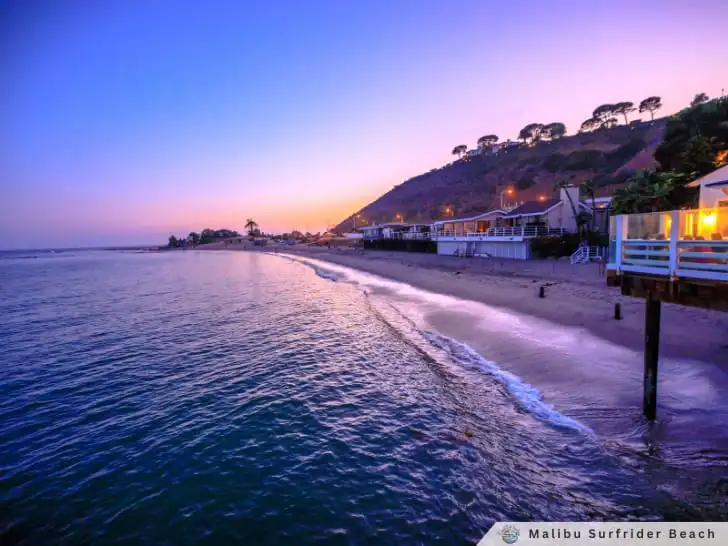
(542, 292)
(652, 349)
(617, 311)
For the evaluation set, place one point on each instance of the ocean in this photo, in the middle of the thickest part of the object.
(250, 398)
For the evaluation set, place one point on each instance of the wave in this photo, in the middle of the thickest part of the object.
(525, 395)
(320, 271)
(325, 274)
(528, 397)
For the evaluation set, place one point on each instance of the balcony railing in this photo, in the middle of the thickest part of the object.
(519, 231)
(684, 243)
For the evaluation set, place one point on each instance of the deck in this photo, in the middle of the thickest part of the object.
(505, 233)
(677, 256)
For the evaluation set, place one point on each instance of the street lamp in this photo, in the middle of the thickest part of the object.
(542, 198)
(449, 212)
(357, 215)
(508, 191)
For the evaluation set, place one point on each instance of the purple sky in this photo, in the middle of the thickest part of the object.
(121, 122)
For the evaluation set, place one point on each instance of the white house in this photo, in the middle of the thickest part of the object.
(678, 244)
(508, 234)
(713, 188)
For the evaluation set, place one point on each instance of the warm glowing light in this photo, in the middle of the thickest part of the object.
(542, 198)
(709, 220)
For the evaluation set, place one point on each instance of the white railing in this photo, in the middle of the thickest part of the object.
(416, 236)
(520, 231)
(581, 256)
(673, 244)
(586, 254)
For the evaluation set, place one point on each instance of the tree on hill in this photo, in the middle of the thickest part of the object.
(487, 141)
(554, 130)
(603, 113)
(251, 226)
(589, 125)
(651, 105)
(459, 150)
(699, 155)
(532, 132)
(194, 238)
(609, 123)
(699, 99)
(624, 108)
(173, 242)
(694, 138)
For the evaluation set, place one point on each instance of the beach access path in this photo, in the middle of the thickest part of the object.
(575, 295)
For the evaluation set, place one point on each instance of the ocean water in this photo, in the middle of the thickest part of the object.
(241, 397)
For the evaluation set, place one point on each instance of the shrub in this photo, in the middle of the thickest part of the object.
(584, 160)
(554, 246)
(554, 162)
(405, 245)
(525, 182)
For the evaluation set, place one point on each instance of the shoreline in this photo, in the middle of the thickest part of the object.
(576, 296)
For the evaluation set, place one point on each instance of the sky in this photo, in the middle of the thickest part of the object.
(124, 121)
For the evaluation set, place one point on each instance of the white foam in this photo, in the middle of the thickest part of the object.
(526, 396)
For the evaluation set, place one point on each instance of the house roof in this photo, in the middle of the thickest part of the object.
(469, 218)
(717, 178)
(533, 208)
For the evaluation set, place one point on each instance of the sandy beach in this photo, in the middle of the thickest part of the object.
(576, 295)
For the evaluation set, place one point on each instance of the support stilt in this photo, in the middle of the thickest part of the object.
(652, 349)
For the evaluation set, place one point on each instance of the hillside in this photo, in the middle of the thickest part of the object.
(606, 156)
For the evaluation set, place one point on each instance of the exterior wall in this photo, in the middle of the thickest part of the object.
(448, 248)
(516, 250)
(567, 220)
(555, 219)
(712, 196)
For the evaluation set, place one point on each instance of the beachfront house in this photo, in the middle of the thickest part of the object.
(390, 230)
(677, 245)
(508, 234)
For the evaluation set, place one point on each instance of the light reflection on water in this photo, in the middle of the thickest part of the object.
(193, 397)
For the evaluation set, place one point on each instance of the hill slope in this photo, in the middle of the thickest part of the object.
(607, 157)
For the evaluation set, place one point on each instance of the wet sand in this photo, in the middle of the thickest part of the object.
(587, 365)
(576, 295)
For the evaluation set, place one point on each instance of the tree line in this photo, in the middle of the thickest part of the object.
(204, 237)
(604, 116)
(695, 143)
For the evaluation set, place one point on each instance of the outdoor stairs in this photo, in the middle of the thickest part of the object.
(585, 254)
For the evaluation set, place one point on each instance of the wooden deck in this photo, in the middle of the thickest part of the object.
(673, 257)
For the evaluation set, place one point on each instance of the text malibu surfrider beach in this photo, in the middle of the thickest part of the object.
(627, 534)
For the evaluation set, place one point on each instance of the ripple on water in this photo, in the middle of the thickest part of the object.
(195, 397)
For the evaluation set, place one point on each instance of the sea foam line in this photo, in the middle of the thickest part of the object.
(528, 397)
(525, 395)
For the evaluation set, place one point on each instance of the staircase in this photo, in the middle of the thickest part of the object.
(585, 254)
(581, 256)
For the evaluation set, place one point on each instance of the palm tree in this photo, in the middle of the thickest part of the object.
(588, 189)
(251, 226)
